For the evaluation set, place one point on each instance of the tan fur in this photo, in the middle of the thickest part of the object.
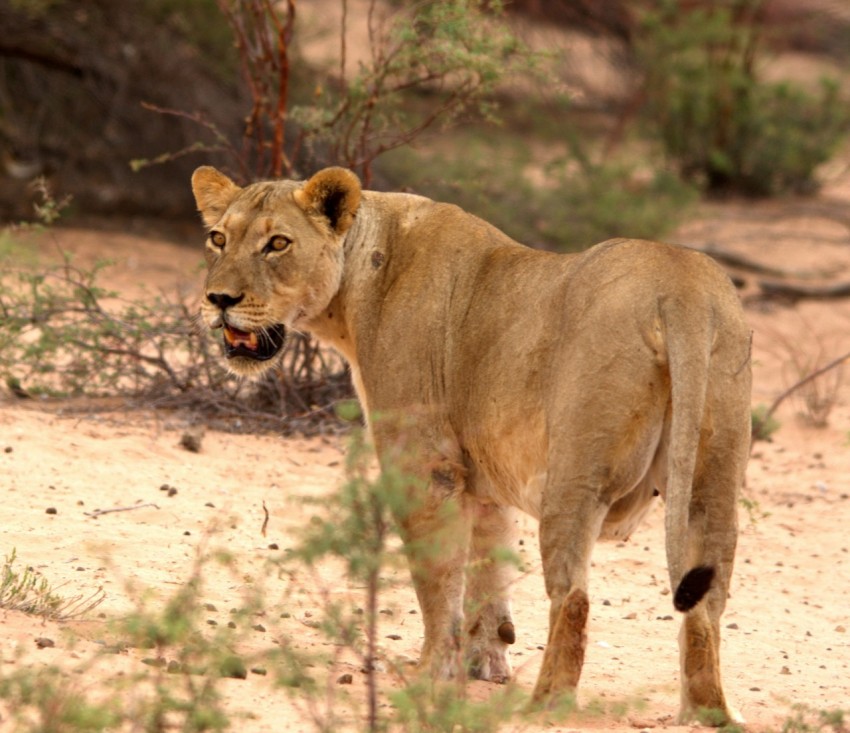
(569, 386)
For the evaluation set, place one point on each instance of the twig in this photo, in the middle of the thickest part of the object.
(99, 512)
(77, 606)
(804, 381)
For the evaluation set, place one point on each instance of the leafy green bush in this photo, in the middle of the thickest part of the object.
(454, 52)
(605, 200)
(764, 425)
(723, 127)
(806, 719)
(568, 204)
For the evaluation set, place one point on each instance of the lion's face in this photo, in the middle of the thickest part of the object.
(274, 257)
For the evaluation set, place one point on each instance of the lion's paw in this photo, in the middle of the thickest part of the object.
(487, 656)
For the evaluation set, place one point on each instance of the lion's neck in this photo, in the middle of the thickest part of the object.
(366, 245)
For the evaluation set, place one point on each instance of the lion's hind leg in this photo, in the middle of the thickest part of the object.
(592, 466)
(567, 537)
(488, 609)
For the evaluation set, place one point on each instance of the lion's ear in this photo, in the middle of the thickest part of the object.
(333, 193)
(214, 192)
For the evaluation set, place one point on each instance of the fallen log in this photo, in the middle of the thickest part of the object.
(796, 291)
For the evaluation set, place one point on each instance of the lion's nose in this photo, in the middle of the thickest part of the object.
(224, 300)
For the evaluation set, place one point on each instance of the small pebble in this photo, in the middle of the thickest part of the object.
(43, 642)
(377, 666)
(233, 667)
(51, 510)
(345, 679)
(192, 438)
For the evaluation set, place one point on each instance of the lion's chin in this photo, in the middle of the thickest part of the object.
(246, 367)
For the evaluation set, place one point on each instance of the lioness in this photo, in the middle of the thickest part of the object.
(574, 387)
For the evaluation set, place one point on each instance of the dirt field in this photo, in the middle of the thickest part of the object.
(786, 639)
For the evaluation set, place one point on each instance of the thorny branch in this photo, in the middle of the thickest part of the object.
(804, 381)
(59, 335)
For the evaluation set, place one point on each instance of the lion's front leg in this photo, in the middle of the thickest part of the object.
(436, 534)
(488, 609)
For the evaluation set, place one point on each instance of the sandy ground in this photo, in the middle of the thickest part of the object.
(786, 639)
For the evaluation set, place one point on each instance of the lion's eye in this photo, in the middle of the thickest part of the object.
(278, 243)
(217, 239)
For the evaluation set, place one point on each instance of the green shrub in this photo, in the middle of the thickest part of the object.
(568, 204)
(764, 425)
(29, 591)
(724, 128)
(608, 200)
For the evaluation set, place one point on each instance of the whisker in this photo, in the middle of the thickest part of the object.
(196, 322)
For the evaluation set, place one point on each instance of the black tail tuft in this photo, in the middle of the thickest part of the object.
(693, 587)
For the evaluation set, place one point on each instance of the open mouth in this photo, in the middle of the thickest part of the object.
(258, 345)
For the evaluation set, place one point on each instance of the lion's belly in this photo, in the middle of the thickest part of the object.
(530, 495)
(509, 469)
(522, 495)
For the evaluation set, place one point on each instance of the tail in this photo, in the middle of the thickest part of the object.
(693, 587)
(689, 335)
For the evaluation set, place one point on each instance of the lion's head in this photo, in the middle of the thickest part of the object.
(274, 257)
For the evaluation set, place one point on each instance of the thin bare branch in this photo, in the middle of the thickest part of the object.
(806, 380)
(101, 512)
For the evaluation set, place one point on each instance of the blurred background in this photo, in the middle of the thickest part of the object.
(561, 121)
